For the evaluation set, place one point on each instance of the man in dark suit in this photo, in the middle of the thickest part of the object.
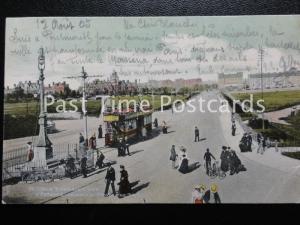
(110, 179)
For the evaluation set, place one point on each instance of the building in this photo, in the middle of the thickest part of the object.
(233, 79)
(28, 87)
(112, 86)
(56, 88)
(290, 78)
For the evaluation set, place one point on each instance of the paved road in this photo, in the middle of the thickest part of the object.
(159, 183)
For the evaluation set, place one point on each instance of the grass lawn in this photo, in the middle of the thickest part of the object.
(273, 100)
(93, 106)
(289, 134)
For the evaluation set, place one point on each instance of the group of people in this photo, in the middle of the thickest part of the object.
(202, 195)
(123, 147)
(230, 161)
(183, 160)
(246, 143)
(124, 184)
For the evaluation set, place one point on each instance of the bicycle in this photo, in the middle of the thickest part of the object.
(36, 175)
(215, 171)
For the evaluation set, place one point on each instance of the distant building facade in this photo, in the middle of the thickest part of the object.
(290, 78)
(112, 86)
(232, 79)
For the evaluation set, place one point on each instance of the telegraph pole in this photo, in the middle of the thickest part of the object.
(84, 76)
(261, 56)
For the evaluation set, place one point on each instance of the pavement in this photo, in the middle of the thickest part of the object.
(279, 115)
(270, 178)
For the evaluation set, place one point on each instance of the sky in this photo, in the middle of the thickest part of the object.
(145, 48)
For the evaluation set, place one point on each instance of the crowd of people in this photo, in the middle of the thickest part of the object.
(183, 160)
(230, 161)
(203, 195)
(246, 143)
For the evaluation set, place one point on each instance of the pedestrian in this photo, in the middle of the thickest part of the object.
(124, 184)
(249, 142)
(212, 193)
(234, 162)
(144, 133)
(83, 166)
(125, 147)
(276, 145)
(224, 161)
(164, 127)
(100, 134)
(233, 129)
(207, 157)
(81, 138)
(100, 159)
(173, 156)
(184, 165)
(30, 153)
(121, 150)
(259, 142)
(197, 134)
(232, 117)
(155, 123)
(182, 151)
(110, 180)
(264, 145)
(197, 195)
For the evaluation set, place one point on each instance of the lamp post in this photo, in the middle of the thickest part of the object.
(43, 148)
(261, 55)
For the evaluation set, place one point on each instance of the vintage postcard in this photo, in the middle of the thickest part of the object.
(151, 110)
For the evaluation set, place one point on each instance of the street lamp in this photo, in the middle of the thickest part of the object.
(43, 150)
(261, 55)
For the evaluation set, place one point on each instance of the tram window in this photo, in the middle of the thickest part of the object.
(147, 119)
(130, 124)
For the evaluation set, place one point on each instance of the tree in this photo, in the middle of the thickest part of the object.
(18, 93)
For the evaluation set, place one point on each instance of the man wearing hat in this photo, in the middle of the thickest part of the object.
(212, 193)
(110, 180)
(196, 134)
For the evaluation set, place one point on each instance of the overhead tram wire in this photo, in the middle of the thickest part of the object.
(84, 76)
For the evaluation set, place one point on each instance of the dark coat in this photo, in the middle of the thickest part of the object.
(173, 155)
(207, 156)
(83, 163)
(224, 161)
(81, 139)
(110, 174)
(184, 166)
(124, 183)
(100, 132)
(197, 132)
(216, 196)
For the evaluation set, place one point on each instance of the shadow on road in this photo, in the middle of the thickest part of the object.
(192, 167)
(139, 187)
(172, 131)
(137, 151)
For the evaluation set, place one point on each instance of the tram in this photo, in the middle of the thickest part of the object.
(126, 124)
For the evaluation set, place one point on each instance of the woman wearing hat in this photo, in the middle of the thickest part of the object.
(124, 187)
(212, 192)
(197, 195)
